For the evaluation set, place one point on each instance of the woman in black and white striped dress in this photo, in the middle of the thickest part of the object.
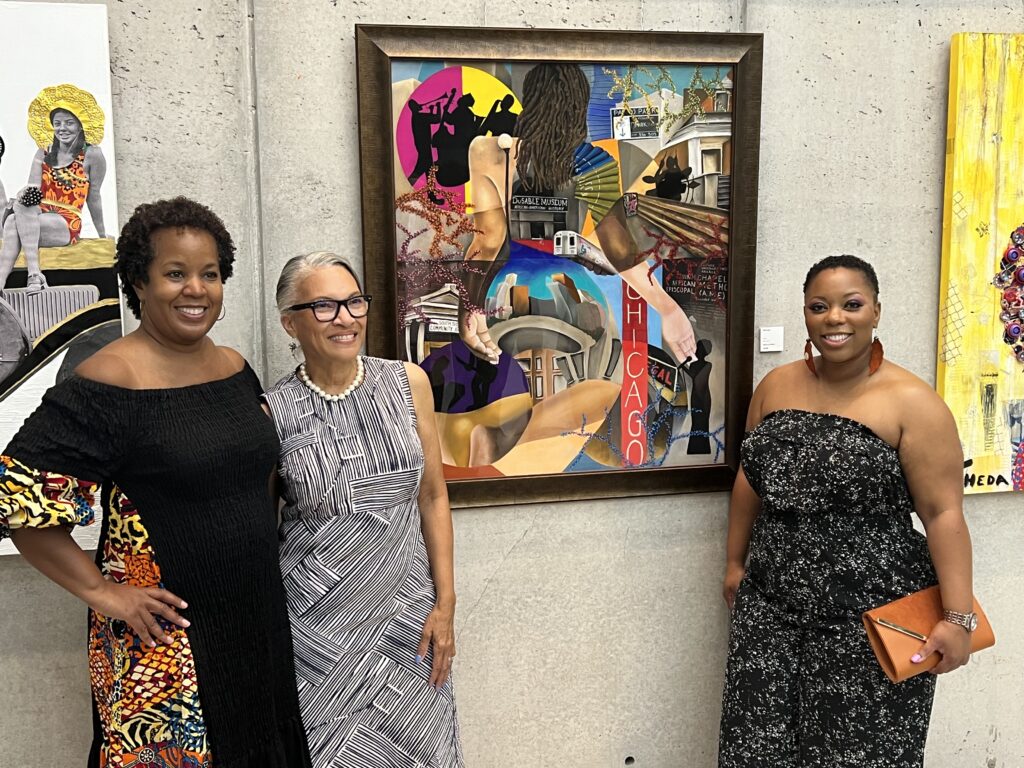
(366, 550)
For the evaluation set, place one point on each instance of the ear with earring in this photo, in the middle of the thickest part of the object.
(296, 350)
(809, 358)
(877, 353)
(223, 312)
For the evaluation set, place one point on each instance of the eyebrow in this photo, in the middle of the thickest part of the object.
(331, 298)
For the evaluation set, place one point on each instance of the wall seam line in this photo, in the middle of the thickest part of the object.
(254, 198)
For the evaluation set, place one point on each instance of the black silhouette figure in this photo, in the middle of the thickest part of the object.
(670, 182)
(453, 145)
(422, 121)
(699, 372)
(485, 374)
(500, 121)
(446, 393)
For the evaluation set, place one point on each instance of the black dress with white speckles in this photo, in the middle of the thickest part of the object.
(833, 538)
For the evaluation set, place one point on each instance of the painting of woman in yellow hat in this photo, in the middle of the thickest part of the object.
(66, 176)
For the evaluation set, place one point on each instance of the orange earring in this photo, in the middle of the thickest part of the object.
(809, 358)
(877, 355)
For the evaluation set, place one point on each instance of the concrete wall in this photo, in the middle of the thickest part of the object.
(588, 632)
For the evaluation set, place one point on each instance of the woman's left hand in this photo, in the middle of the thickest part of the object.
(953, 643)
(439, 630)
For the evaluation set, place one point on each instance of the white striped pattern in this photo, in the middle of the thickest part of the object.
(356, 573)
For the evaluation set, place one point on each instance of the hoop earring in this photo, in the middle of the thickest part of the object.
(877, 355)
(142, 308)
(809, 358)
(296, 350)
(223, 312)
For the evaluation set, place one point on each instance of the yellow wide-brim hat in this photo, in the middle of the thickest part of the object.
(81, 104)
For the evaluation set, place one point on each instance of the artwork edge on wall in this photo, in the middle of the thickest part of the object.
(377, 46)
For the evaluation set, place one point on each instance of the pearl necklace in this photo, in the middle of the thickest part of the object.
(341, 395)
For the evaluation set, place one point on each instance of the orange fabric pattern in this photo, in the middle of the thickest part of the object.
(64, 192)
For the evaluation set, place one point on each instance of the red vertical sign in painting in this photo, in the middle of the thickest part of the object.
(633, 402)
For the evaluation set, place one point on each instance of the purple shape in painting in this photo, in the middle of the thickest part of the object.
(462, 382)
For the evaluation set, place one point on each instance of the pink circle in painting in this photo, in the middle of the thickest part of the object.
(440, 119)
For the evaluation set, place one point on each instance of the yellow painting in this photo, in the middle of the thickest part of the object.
(981, 319)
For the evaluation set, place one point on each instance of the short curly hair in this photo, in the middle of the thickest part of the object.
(843, 261)
(135, 245)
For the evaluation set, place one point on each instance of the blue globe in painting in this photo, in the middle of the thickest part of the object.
(537, 283)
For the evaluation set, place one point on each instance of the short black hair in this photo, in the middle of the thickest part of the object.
(135, 245)
(843, 261)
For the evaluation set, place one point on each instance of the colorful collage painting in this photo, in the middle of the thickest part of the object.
(981, 323)
(562, 236)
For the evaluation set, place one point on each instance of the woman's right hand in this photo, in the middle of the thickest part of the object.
(139, 607)
(734, 573)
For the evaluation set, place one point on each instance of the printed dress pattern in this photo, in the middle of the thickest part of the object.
(833, 538)
(147, 698)
(357, 576)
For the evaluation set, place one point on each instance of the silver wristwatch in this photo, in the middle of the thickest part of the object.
(968, 621)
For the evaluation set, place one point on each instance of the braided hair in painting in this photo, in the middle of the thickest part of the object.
(552, 125)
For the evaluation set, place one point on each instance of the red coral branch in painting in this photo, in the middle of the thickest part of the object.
(420, 275)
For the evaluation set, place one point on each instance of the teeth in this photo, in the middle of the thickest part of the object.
(193, 311)
(837, 336)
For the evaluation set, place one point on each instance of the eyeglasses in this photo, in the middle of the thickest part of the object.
(326, 310)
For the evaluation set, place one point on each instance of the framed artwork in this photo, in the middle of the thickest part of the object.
(59, 299)
(559, 228)
(981, 322)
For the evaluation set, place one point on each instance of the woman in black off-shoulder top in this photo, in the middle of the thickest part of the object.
(190, 654)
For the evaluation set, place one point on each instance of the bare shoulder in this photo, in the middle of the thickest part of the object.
(909, 390)
(417, 376)
(111, 365)
(93, 152)
(777, 386)
(916, 403)
(233, 358)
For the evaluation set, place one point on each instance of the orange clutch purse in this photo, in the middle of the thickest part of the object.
(897, 630)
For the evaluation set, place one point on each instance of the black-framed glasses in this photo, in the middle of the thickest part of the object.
(326, 310)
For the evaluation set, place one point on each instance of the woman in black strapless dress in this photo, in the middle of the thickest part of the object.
(841, 449)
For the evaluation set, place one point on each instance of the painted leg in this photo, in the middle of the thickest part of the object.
(9, 251)
(38, 229)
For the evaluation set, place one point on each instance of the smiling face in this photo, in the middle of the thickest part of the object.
(66, 127)
(324, 345)
(840, 311)
(184, 293)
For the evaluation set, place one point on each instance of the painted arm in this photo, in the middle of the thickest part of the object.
(436, 525)
(932, 462)
(96, 170)
(35, 173)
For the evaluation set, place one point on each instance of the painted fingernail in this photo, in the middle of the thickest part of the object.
(186, 623)
(184, 604)
(916, 658)
(418, 658)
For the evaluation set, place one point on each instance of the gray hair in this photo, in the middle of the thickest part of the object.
(298, 268)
